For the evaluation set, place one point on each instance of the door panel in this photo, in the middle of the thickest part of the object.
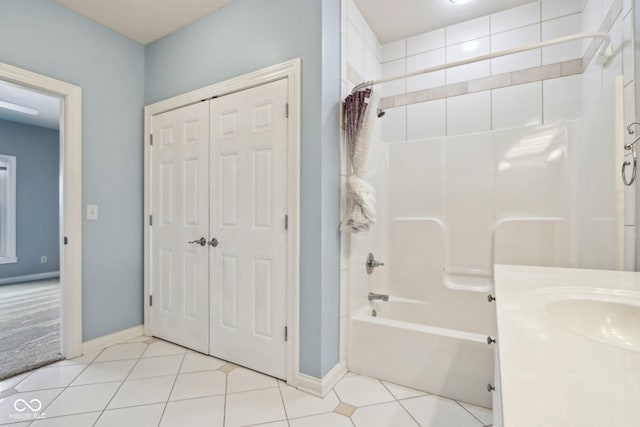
(248, 207)
(180, 207)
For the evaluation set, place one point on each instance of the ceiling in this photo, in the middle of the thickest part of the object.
(144, 20)
(393, 20)
(149, 20)
(48, 106)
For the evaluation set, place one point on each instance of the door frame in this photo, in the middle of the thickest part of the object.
(289, 70)
(70, 198)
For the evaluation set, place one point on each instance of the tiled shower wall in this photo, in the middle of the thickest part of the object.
(538, 87)
(360, 61)
(548, 99)
(599, 95)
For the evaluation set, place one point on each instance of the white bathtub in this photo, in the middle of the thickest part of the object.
(405, 344)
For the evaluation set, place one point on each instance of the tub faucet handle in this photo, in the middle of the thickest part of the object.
(372, 263)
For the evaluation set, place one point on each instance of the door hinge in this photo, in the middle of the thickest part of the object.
(66, 240)
(151, 139)
(150, 299)
(286, 333)
(150, 220)
(286, 110)
(286, 222)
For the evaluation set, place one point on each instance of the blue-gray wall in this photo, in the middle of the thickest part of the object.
(248, 35)
(46, 38)
(37, 212)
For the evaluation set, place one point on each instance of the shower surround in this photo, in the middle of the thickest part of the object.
(516, 161)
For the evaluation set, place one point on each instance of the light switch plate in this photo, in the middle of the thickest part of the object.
(92, 212)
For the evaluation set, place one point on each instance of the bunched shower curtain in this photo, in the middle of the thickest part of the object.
(359, 116)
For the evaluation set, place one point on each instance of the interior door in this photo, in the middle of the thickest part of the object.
(180, 208)
(248, 208)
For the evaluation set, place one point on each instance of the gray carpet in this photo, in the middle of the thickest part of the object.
(29, 326)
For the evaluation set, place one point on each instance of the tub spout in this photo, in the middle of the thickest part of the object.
(379, 297)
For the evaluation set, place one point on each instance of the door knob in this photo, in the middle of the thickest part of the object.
(214, 242)
(201, 241)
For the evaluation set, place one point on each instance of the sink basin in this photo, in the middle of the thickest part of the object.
(616, 323)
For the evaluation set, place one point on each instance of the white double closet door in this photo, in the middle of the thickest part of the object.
(219, 238)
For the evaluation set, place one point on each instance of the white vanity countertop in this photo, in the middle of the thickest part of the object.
(552, 374)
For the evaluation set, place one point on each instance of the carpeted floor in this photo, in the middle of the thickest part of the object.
(30, 316)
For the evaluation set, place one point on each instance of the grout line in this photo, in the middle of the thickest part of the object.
(71, 382)
(172, 387)
(468, 411)
(226, 389)
(121, 384)
(407, 411)
(286, 415)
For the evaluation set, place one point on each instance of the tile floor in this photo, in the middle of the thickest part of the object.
(148, 382)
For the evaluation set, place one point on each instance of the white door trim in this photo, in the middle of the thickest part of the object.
(287, 70)
(70, 198)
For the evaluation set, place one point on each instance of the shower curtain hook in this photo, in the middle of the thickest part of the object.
(631, 131)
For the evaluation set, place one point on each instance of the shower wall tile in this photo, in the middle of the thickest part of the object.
(370, 39)
(630, 112)
(467, 50)
(469, 113)
(421, 61)
(606, 5)
(394, 50)
(426, 41)
(628, 53)
(355, 16)
(512, 39)
(552, 9)
(487, 83)
(570, 68)
(371, 70)
(557, 28)
(530, 75)
(562, 99)
(355, 52)
(510, 110)
(515, 18)
(469, 30)
(390, 69)
(591, 18)
(427, 119)
(455, 89)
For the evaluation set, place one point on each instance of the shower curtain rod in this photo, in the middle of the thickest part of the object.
(596, 35)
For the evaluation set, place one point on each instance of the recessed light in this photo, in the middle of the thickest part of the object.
(18, 108)
(459, 1)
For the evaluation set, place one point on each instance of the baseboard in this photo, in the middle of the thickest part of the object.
(320, 387)
(111, 339)
(30, 278)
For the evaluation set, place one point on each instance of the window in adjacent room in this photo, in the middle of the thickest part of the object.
(7, 209)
